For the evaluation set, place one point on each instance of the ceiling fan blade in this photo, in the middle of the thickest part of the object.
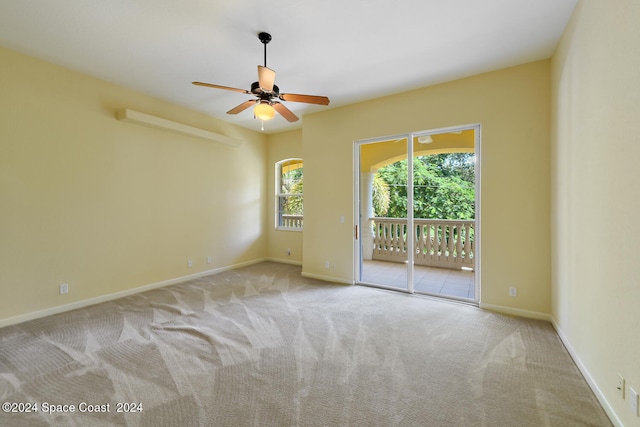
(221, 87)
(309, 99)
(242, 106)
(285, 112)
(266, 78)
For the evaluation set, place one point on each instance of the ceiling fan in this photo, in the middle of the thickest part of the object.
(267, 94)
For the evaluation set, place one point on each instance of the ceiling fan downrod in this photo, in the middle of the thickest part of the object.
(265, 38)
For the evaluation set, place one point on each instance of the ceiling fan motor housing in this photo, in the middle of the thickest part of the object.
(257, 91)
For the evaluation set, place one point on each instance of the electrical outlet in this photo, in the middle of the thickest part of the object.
(620, 385)
(513, 292)
(288, 252)
(209, 260)
(189, 263)
(327, 264)
(633, 401)
(64, 288)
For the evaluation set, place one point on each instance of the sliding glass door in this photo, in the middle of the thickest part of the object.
(417, 212)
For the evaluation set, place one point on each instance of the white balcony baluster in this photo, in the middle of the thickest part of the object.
(439, 243)
(292, 221)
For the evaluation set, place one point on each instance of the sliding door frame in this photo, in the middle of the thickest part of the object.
(358, 222)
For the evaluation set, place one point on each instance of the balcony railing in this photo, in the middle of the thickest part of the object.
(438, 242)
(292, 221)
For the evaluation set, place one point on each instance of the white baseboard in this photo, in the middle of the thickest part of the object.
(109, 297)
(285, 261)
(516, 311)
(327, 278)
(587, 376)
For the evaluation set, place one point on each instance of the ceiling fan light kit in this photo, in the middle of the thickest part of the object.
(264, 111)
(267, 93)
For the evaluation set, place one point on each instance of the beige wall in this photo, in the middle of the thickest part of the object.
(595, 147)
(512, 105)
(107, 206)
(285, 145)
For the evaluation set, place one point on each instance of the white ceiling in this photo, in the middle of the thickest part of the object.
(350, 51)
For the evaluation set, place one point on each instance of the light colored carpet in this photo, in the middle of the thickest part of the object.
(263, 346)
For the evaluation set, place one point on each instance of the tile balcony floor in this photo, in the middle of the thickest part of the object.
(435, 281)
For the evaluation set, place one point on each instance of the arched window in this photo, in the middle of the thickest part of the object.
(289, 174)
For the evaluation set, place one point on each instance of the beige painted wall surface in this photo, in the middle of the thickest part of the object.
(281, 146)
(513, 107)
(595, 204)
(105, 205)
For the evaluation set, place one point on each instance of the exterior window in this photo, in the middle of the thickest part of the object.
(289, 191)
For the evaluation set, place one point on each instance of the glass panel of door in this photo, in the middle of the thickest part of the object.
(383, 240)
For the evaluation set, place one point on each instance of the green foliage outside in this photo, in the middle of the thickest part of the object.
(443, 187)
(292, 183)
(381, 196)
